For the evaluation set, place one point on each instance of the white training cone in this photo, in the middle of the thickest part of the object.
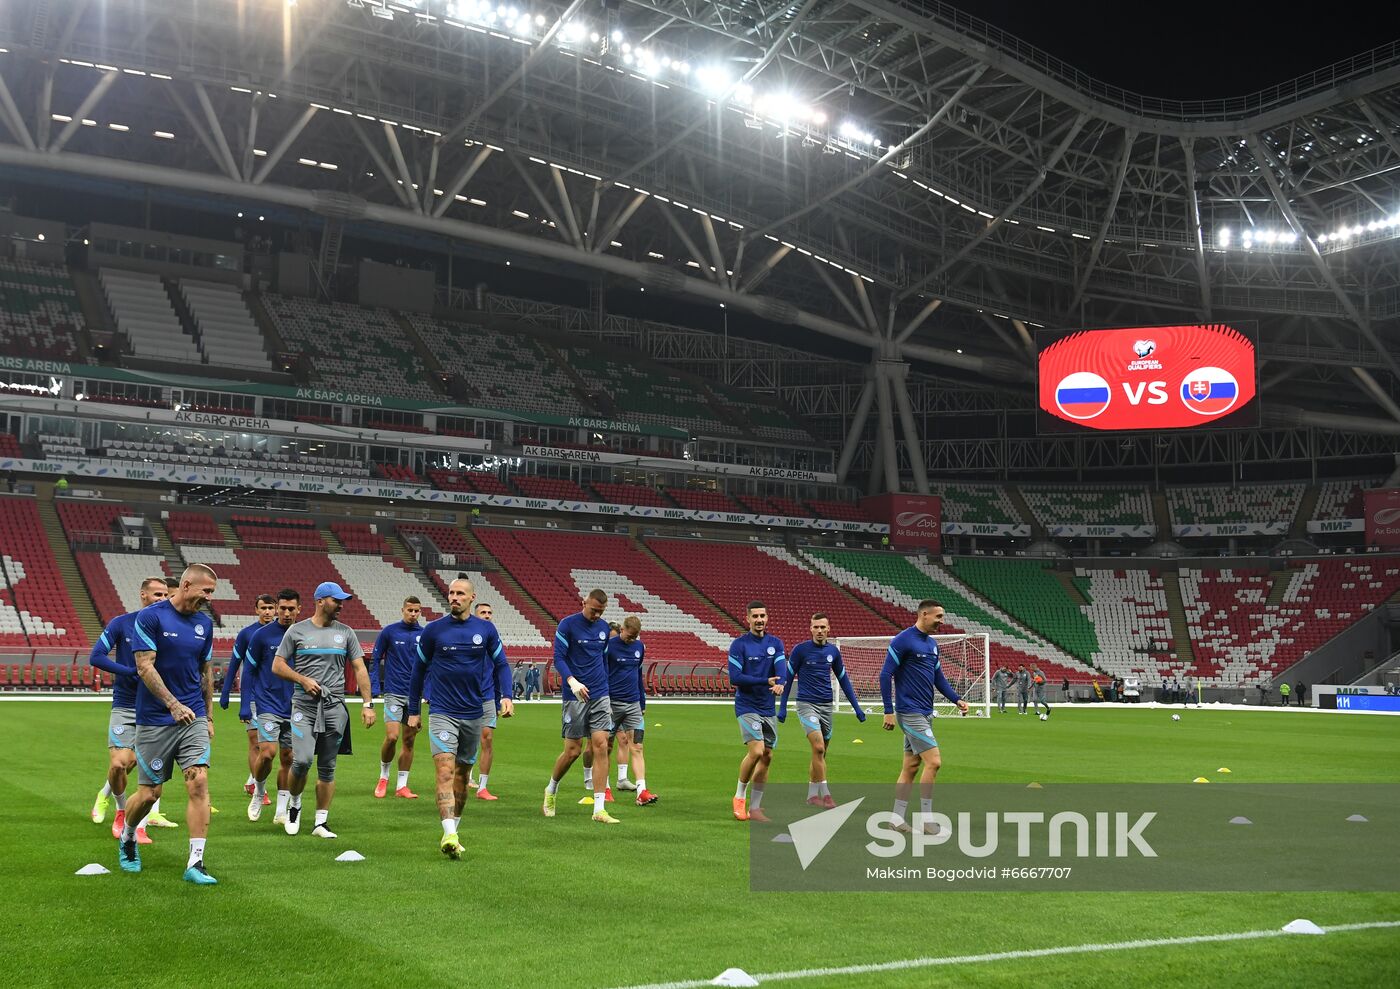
(1240, 820)
(734, 977)
(1034, 786)
(1358, 819)
(92, 869)
(783, 839)
(350, 856)
(1301, 926)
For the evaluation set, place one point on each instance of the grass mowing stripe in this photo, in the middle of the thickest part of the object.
(1000, 956)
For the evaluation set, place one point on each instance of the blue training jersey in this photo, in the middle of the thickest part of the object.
(464, 663)
(913, 668)
(235, 663)
(626, 681)
(397, 649)
(579, 647)
(184, 645)
(117, 635)
(261, 686)
(752, 661)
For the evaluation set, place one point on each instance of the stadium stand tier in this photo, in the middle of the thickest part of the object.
(228, 336)
(1089, 505)
(1221, 504)
(39, 312)
(143, 312)
(977, 503)
(1342, 499)
(35, 606)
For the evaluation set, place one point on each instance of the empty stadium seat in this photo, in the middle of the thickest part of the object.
(1089, 505)
(39, 311)
(35, 606)
(228, 336)
(143, 312)
(1222, 504)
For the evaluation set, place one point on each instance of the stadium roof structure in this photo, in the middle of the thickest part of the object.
(894, 174)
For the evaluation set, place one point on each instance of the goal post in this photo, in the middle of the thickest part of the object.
(965, 659)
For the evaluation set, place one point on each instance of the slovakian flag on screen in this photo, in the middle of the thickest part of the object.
(1209, 391)
(1082, 395)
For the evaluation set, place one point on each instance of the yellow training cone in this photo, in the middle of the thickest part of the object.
(1222, 769)
(857, 741)
(1034, 786)
(1200, 779)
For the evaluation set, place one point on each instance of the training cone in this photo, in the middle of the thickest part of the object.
(1357, 819)
(857, 741)
(1200, 779)
(1302, 926)
(783, 839)
(1222, 769)
(350, 856)
(92, 869)
(1034, 786)
(1240, 820)
(734, 977)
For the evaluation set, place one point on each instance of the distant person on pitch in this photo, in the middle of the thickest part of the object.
(1023, 688)
(1038, 690)
(396, 650)
(313, 655)
(580, 643)
(173, 643)
(758, 671)
(266, 606)
(121, 723)
(461, 656)
(812, 666)
(614, 630)
(1283, 690)
(1001, 682)
(627, 692)
(489, 711)
(911, 673)
(270, 699)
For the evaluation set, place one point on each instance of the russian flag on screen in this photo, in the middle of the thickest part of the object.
(1209, 391)
(1082, 395)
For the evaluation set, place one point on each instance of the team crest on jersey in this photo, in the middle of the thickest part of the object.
(199, 630)
(119, 730)
(637, 653)
(296, 716)
(771, 650)
(157, 764)
(442, 736)
(829, 659)
(340, 640)
(269, 726)
(602, 636)
(476, 640)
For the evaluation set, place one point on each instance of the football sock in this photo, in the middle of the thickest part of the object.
(251, 781)
(482, 780)
(588, 779)
(120, 798)
(598, 798)
(825, 790)
(259, 789)
(641, 782)
(813, 790)
(621, 773)
(553, 786)
(283, 797)
(196, 851)
(296, 801)
(321, 817)
(901, 807)
(106, 789)
(384, 768)
(449, 825)
(739, 793)
(403, 778)
(926, 807)
(756, 799)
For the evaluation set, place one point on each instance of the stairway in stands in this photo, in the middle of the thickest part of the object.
(1306, 508)
(333, 543)
(231, 539)
(1181, 630)
(1023, 509)
(694, 591)
(67, 565)
(524, 601)
(1161, 515)
(165, 546)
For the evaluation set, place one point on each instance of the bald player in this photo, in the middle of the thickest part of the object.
(173, 643)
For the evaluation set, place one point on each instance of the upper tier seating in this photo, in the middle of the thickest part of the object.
(762, 415)
(559, 489)
(894, 586)
(643, 394)
(361, 537)
(209, 456)
(351, 347)
(699, 500)
(39, 312)
(143, 312)
(840, 511)
(732, 574)
(987, 504)
(278, 532)
(1221, 504)
(1240, 639)
(1342, 499)
(1089, 505)
(510, 371)
(193, 529)
(227, 333)
(630, 494)
(558, 568)
(33, 597)
(9, 446)
(446, 540)
(92, 523)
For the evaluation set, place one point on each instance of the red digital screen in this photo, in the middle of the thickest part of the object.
(1148, 377)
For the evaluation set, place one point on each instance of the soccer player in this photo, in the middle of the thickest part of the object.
(173, 644)
(397, 649)
(489, 711)
(121, 723)
(1023, 687)
(270, 700)
(461, 656)
(579, 646)
(627, 694)
(811, 667)
(1001, 680)
(266, 612)
(1038, 690)
(913, 669)
(319, 647)
(757, 669)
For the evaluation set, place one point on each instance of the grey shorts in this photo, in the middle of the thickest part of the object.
(583, 718)
(316, 733)
(452, 736)
(759, 728)
(815, 717)
(121, 728)
(160, 747)
(395, 708)
(628, 716)
(273, 728)
(918, 733)
(488, 714)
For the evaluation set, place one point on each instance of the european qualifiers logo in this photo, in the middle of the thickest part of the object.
(1145, 349)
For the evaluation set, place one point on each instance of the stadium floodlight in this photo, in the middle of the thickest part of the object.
(1223, 238)
(712, 78)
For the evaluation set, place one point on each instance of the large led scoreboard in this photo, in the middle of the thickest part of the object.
(1148, 378)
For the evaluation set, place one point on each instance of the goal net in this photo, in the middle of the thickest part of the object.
(965, 659)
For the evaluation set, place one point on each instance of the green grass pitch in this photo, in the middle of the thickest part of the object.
(663, 896)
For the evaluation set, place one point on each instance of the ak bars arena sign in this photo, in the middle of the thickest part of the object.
(1148, 378)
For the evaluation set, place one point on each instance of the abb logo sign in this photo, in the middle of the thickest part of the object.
(916, 521)
(1383, 517)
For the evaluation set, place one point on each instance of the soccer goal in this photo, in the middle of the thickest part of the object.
(966, 661)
